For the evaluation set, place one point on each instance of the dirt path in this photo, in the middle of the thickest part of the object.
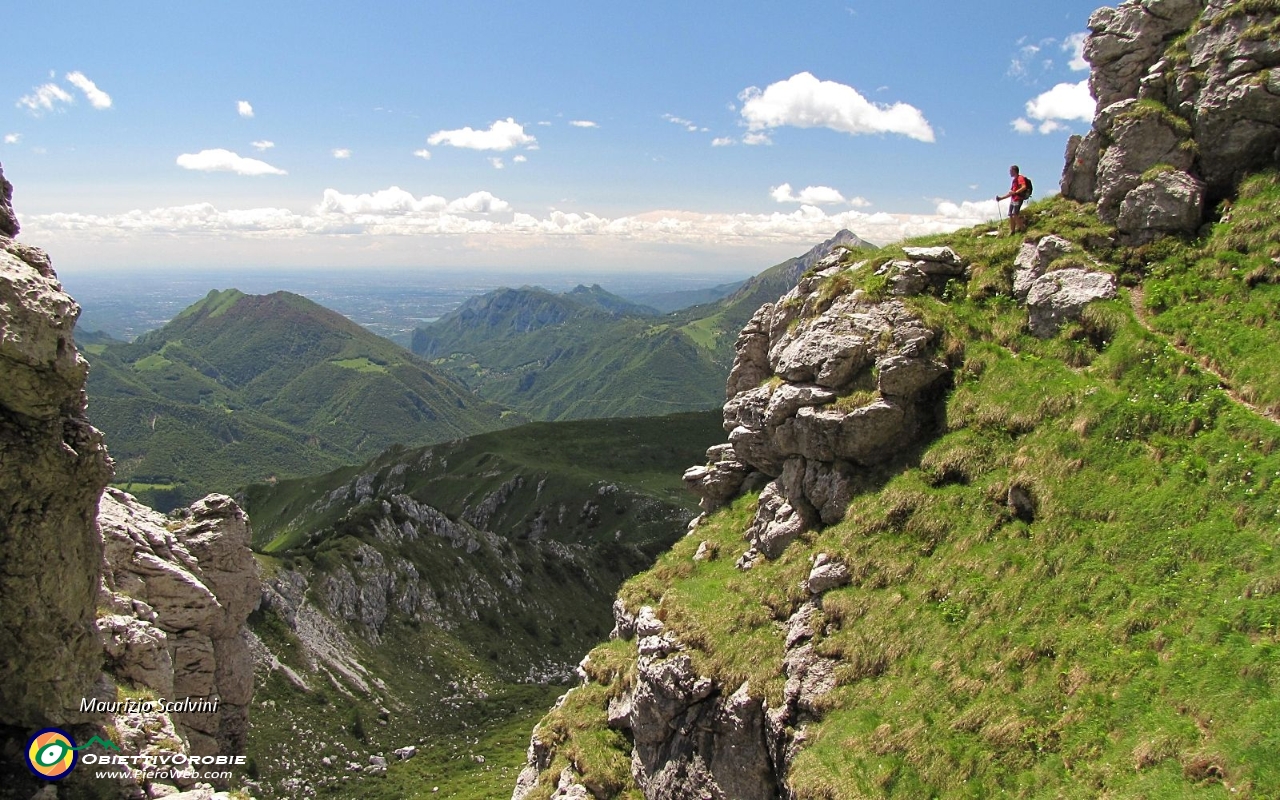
(1140, 311)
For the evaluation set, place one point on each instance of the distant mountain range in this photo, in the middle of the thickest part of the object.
(241, 388)
(245, 388)
(587, 353)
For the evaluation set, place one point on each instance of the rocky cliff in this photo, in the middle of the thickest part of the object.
(1188, 102)
(53, 467)
(102, 600)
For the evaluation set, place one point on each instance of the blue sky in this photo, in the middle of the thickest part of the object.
(656, 135)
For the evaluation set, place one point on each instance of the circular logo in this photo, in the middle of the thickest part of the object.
(51, 754)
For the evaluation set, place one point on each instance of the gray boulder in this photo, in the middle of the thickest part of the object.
(1170, 202)
(1033, 260)
(1060, 296)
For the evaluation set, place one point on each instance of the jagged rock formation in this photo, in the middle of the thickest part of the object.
(53, 466)
(96, 591)
(1188, 103)
(180, 594)
(823, 386)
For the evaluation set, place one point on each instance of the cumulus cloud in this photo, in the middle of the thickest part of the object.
(1066, 101)
(723, 141)
(395, 212)
(478, 203)
(45, 98)
(1074, 44)
(424, 154)
(583, 123)
(756, 138)
(803, 101)
(519, 159)
(497, 163)
(1070, 101)
(96, 97)
(809, 195)
(220, 160)
(394, 202)
(263, 144)
(244, 109)
(341, 152)
(502, 135)
(12, 138)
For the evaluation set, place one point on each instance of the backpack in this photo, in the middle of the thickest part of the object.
(1027, 183)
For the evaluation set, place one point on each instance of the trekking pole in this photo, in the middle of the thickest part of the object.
(1000, 216)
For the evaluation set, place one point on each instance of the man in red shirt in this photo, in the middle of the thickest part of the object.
(1018, 193)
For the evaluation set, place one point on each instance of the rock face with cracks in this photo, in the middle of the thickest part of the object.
(53, 467)
(822, 387)
(1188, 102)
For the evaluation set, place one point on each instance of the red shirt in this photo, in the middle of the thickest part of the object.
(1018, 190)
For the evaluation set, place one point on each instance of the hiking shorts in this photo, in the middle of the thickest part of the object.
(1015, 205)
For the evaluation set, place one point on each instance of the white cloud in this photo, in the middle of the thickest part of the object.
(45, 98)
(424, 154)
(220, 160)
(96, 97)
(497, 163)
(263, 144)
(859, 202)
(1066, 101)
(1021, 125)
(12, 138)
(502, 135)
(810, 195)
(723, 141)
(244, 109)
(583, 123)
(756, 137)
(803, 101)
(688, 125)
(341, 152)
(395, 212)
(519, 159)
(478, 203)
(1074, 44)
(393, 201)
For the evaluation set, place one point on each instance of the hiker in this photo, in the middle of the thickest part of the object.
(1019, 191)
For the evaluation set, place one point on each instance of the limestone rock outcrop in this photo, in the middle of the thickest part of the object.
(180, 593)
(53, 466)
(822, 386)
(1188, 103)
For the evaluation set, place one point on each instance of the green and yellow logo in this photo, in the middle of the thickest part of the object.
(51, 753)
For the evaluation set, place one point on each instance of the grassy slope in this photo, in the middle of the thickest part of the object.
(240, 388)
(1123, 643)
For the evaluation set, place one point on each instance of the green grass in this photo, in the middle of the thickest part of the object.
(362, 364)
(1123, 642)
(1221, 298)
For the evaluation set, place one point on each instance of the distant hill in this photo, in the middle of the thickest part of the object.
(240, 388)
(666, 302)
(587, 354)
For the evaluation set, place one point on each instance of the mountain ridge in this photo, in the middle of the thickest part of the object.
(264, 385)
